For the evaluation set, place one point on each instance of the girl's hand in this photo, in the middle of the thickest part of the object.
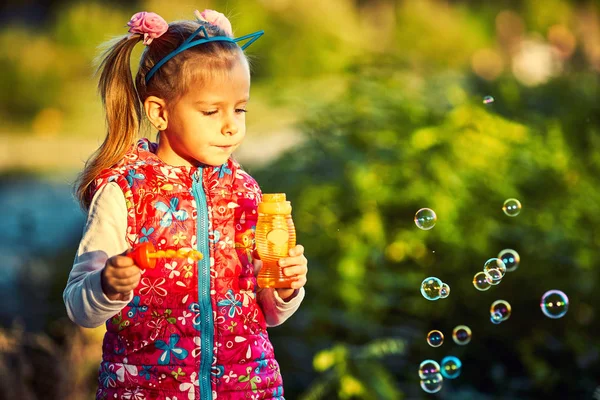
(296, 266)
(119, 277)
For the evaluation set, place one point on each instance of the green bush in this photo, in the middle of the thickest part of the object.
(384, 150)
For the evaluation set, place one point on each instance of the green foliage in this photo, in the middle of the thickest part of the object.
(27, 63)
(355, 372)
(377, 155)
(53, 68)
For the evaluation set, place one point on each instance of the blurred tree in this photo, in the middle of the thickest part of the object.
(383, 151)
(40, 11)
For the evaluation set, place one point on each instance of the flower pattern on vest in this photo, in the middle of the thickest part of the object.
(155, 348)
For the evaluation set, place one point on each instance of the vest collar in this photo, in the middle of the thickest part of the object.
(145, 152)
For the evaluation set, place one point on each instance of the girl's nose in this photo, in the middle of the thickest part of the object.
(229, 128)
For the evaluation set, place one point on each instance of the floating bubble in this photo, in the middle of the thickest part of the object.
(496, 318)
(450, 367)
(500, 310)
(430, 288)
(428, 368)
(444, 291)
(495, 263)
(511, 207)
(488, 100)
(435, 338)
(425, 219)
(432, 384)
(494, 276)
(461, 334)
(510, 258)
(554, 304)
(482, 281)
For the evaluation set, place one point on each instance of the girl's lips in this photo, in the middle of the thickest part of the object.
(225, 147)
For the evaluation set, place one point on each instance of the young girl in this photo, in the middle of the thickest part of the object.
(185, 329)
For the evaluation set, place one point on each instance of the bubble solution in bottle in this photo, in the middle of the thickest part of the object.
(275, 236)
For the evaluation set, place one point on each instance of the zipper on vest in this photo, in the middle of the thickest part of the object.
(206, 312)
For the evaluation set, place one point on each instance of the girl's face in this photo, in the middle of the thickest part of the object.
(208, 123)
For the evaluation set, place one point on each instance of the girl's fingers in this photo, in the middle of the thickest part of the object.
(124, 279)
(297, 250)
(297, 284)
(132, 280)
(125, 283)
(123, 288)
(298, 260)
(124, 272)
(131, 272)
(295, 270)
(121, 261)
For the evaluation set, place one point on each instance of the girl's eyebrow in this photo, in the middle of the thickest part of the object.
(244, 100)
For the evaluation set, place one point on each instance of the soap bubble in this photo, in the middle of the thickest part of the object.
(488, 100)
(554, 304)
(428, 368)
(500, 310)
(482, 281)
(495, 263)
(450, 367)
(432, 384)
(444, 291)
(425, 219)
(496, 318)
(511, 207)
(461, 334)
(510, 258)
(430, 288)
(435, 338)
(494, 276)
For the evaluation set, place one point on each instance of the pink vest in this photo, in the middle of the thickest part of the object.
(193, 329)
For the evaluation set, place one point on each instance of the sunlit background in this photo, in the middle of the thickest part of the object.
(363, 112)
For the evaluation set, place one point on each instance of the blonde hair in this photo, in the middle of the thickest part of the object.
(123, 100)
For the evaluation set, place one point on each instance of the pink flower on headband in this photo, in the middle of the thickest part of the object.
(215, 18)
(150, 24)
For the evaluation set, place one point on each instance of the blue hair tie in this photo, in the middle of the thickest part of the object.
(189, 43)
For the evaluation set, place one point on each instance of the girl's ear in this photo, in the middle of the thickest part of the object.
(156, 111)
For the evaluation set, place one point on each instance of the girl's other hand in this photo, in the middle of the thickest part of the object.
(295, 266)
(119, 277)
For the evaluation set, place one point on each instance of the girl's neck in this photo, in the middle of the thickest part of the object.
(168, 156)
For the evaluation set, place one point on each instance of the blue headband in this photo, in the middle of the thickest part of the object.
(189, 43)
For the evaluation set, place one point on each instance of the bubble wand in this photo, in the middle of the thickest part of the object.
(144, 255)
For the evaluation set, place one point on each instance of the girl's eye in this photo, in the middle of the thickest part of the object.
(237, 110)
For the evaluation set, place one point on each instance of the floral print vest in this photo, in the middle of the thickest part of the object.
(193, 330)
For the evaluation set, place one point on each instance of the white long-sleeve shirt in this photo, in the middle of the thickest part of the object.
(104, 236)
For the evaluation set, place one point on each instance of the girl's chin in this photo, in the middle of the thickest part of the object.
(214, 161)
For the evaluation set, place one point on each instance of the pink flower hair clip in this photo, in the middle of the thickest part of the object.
(215, 18)
(149, 24)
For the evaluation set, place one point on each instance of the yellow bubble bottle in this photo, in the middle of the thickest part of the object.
(275, 236)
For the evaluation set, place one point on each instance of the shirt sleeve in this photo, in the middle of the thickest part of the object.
(104, 236)
(276, 310)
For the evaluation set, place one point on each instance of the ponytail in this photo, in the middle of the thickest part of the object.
(123, 113)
